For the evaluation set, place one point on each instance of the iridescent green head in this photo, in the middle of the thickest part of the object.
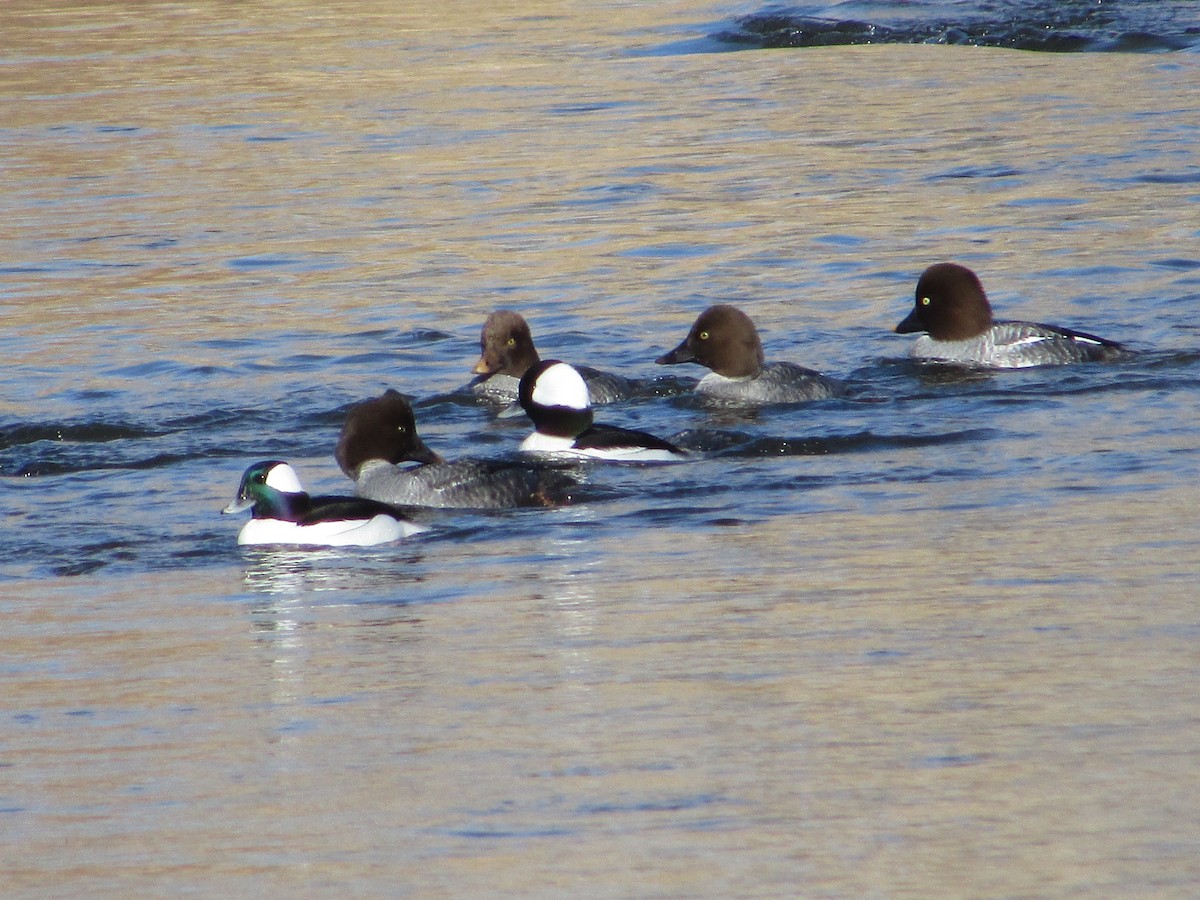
(270, 489)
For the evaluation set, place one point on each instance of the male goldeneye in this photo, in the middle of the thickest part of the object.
(282, 513)
(954, 311)
(381, 432)
(555, 397)
(507, 352)
(725, 340)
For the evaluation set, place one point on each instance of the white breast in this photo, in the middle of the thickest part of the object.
(352, 533)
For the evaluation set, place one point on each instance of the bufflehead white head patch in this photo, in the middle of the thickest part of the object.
(284, 479)
(560, 385)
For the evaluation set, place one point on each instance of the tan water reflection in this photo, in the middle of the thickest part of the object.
(894, 697)
(832, 716)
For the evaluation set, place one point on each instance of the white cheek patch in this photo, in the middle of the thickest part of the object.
(283, 478)
(561, 385)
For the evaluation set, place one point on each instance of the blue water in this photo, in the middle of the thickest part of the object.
(121, 477)
(936, 638)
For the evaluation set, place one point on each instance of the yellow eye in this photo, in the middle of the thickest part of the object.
(704, 335)
(925, 301)
(512, 342)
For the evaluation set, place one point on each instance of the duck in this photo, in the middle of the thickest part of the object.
(380, 434)
(555, 396)
(953, 311)
(507, 352)
(724, 339)
(281, 512)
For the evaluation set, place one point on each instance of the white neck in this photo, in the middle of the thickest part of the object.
(546, 443)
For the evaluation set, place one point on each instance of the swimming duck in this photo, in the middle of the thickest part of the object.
(724, 339)
(953, 310)
(555, 397)
(381, 433)
(507, 352)
(282, 513)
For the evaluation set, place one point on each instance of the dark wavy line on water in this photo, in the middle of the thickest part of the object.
(44, 468)
(37, 449)
(1062, 27)
(79, 432)
(732, 444)
(100, 431)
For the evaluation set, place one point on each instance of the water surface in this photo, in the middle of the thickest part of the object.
(936, 639)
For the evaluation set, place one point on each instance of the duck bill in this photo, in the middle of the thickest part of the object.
(910, 324)
(680, 354)
(482, 367)
(239, 503)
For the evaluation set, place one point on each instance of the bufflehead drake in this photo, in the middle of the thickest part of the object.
(953, 310)
(381, 433)
(725, 340)
(506, 353)
(282, 513)
(555, 397)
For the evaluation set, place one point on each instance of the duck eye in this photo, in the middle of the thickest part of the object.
(704, 335)
(512, 342)
(925, 301)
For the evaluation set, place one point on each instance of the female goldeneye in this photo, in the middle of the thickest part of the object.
(725, 340)
(954, 311)
(507, 352)
(282, 513)
(381, 432)
(555, 397)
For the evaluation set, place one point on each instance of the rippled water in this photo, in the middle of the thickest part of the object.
(938, 638)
